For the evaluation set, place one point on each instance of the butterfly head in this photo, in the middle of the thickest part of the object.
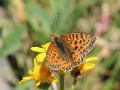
(53, 35)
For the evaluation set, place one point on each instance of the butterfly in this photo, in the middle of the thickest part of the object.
(68, 50)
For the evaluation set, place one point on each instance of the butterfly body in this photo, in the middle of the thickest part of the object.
(61, 48)
(68, 50)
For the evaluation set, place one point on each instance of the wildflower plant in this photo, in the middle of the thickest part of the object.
(43, 74)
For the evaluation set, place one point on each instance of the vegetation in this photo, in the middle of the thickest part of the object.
(20, 20)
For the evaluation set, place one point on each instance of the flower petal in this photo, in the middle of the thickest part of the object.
(46, 45)
(88, 66)
(25, 79)
(50, 79)
(38, 49)
(30, 72)
(91, 59)
(40, 57)
(38, 83)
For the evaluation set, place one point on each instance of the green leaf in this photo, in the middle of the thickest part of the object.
(36, 12)
(12, 41)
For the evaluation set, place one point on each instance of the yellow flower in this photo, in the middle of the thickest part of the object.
(42, 52)
(40, 74)
(78, 71)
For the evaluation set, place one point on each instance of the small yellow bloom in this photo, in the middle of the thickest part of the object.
(42, 52)
(77, 71)
(40, 74)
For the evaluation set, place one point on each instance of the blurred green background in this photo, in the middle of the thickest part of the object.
(21, 19)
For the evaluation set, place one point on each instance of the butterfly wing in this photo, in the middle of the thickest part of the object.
(54, 59)
(80, 44)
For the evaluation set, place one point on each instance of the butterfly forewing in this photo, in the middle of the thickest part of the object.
(79, 44)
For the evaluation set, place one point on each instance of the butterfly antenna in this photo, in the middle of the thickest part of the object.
(55, 20)
(40, 34)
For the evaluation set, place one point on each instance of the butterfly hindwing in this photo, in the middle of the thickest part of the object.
(55, 60)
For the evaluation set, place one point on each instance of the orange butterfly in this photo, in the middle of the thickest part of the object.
(68, 50)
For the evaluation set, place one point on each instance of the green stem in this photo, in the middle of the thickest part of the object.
(74, 83)
(45, 89)
(61, 81)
